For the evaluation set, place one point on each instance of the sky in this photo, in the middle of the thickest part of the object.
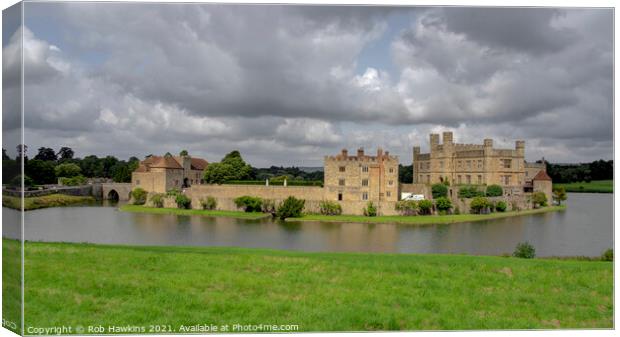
(287, 85)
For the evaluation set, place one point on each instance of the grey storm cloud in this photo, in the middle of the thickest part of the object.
(284, 85)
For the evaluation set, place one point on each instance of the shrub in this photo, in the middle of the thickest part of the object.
(173, 192)
(443, 204)
(73, 181)
(470, 191)
(183, 201)
(501, 206)
(524, 250)
(539, 199)
(291, 207)
(608, 255)
(425, 206)
(139, 196)
(67, 170)
(457, 210)
(249, 204)
(479, 205)
(17, 181)
(439, 190)
(268, 206)
(370, 210)
(208, 203)
(559, 194)
(406, 207)
(494, 191)
(330, 208)
(158, 200)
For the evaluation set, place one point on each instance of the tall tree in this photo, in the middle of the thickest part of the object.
(46, 153)
(65, 153)
(183, 153)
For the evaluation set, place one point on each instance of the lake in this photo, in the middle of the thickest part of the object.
(585, 228)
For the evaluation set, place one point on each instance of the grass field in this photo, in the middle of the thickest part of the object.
(424, 219)
(85, 284)
(52, 200)
(230, 214)
(595, 186)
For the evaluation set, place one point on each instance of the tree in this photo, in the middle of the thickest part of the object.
(41, 171)
(425, 206)
(479, 204)
(183, 201)
(218, 173)
(46, 153)
(183, 153)
(370, 210)
(559, 194)
(240, 170)
(501, 206)
(443, 204)
(406, 207)
(248, 203)
(65, 153)
(494, 191)
(405, 174)
(68, 170)
(291, 207)
(439, 190)
(139, 196)
(4, 155)
(539, 199)
(21, 151)
(330, 207)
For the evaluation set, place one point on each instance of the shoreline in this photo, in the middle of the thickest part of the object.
(46, 201)
(199, 212)
(423, 219)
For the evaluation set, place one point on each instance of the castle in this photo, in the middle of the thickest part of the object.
(355, 180)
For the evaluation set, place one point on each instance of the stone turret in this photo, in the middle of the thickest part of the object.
(434, 140)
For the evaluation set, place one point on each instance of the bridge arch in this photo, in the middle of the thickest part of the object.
(120, 191)
(112, 195)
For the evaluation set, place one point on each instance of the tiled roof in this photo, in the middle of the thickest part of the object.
(170, 162)
(542, 175)
(199, 164)
(167, 162)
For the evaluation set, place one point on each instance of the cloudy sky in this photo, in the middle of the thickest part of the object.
(289, 84)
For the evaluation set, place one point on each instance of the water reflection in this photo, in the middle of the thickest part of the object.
(584, 229)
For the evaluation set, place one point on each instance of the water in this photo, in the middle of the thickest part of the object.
(585, 228)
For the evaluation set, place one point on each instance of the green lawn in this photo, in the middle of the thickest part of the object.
(85, 284)
(595, 186)
(424, 219)
(11, 284)
(51, 200)
(230, 214)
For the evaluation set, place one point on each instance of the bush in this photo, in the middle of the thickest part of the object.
(158, 200)
(494, 191)
(139, 196)
(443, 204)
(439, 190)
(269, 206)
(370, 210)
(73, 181)
(501, 206)
(559, 194)
(457, 210)
(173, 192)
(608, 255)
(17, 181)
(425, 206)
(524, 250)
(406, 207)
(539, 199)
(249, 204)
(470, 191)
(183, 201)
(208, 203)
(67, 170)
(291, 207)
(330, 208)
(479, 205)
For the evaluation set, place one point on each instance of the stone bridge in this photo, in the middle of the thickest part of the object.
(116, 191)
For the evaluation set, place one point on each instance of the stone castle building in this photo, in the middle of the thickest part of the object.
(361, 177)
(161, 174)
(478, 164)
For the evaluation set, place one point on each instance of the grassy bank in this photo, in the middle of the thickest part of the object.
(424, 219)
(596, 186)
(177, 211)
(85, 284)
(52, 200)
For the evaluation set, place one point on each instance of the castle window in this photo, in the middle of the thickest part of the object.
(341, 182)
(468, 179)
(506, 180)
(459, 179)
(342, 168)
(137, 181)
(479, 163)
(339, 196)
(391, 182)
(364, 168)
(364, 182)
(391, 170)
(459, 163)
(479, 179)
(388, 193)
(365, 196)
(469, 164)
(507, 163)
(526, 174)
(428, 179)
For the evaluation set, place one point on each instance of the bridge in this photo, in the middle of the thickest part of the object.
(116, 191)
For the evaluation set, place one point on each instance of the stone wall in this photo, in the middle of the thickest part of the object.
(83, 191)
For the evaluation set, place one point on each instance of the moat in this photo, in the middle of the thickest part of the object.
(585, 228)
